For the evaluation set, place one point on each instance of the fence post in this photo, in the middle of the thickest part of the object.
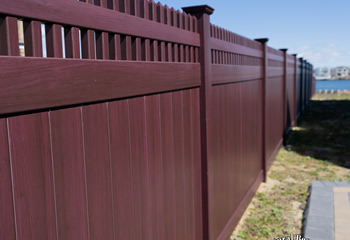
(301, 80)
(263, 103)
(202, 13)
(295, 97)
(285, 130)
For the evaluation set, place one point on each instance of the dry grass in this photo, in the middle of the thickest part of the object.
(318, 149)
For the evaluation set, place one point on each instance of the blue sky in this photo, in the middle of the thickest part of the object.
(317, 30)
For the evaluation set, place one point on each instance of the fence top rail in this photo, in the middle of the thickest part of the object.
(228, 36)
(162, 23)
(221, 45)
(274, 51)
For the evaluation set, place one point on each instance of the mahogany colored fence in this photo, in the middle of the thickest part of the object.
(135, 121)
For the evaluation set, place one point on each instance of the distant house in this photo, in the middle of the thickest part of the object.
(323, 73)
(340, 73)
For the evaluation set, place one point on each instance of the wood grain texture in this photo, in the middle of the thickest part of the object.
(32, 38)
(98, 171)
(238, 213)
(9, 36)
(196, 163)
(140, 168)
(155, 166)
(274, 114)
(59, 82)
(222, 74)
(69, 171)
(72, 42)
(102, 46)
(167, 136)
(180, 197)
(187, 161)
(88, 44)
(53, 40)
(235, 162)
(275, 57)
(234, 48)
(123, 199)
(7, 217)
(275, 72)
(32, 176)
(104, 19)
(225, 162)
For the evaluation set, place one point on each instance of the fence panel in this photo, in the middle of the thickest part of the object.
(89, 158)
(235, 127)
(126, 119)
(275, 103)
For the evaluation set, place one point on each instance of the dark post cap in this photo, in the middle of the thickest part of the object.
(262, 40)
(284, 49)
(294, 54)
(198, 9)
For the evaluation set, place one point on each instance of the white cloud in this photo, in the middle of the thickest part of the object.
(329, 55)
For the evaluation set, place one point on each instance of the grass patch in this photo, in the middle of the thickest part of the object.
(318, 149)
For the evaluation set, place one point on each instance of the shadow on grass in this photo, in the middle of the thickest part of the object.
(323, 132)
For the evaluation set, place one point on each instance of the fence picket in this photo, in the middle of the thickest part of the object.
(54, 40)
(9, 36)
(32, 38)
(88, 44)
(72, 42)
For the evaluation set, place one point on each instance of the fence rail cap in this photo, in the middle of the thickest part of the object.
(199, 9)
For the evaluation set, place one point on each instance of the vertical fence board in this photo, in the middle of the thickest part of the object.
(139, 167)
(154, 51)
(69, 172)
(32, 176)
(7, 218)
(115, 47)
(179, 165)
(72, 42)
(197, 202)
(32, 38)
(102, 45)
(167, 136)
(9, 36)
(87, 44)
(126, 48)
(188, 166)
(98, 173)
(121, 170)
(53, 40)
(136, 49)
(155, 166)
(169, 52)
(145, 9)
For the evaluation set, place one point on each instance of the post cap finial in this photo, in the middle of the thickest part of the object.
(262, 40)
(294, 54)
(198, 9)
(284, 49)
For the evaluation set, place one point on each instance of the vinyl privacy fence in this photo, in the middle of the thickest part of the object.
(132, 120)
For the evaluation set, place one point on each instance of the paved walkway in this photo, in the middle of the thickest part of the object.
(327, 216)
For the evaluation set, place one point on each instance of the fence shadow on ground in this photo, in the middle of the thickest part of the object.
(323, 132)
